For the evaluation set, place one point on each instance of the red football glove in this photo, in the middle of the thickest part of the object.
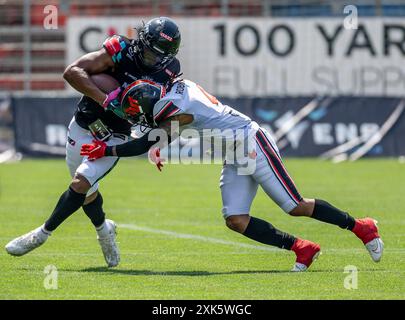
(95, 150)
(154, 156)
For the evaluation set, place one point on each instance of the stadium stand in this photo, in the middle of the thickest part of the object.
(47, 49)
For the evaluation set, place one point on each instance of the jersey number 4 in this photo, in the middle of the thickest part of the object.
(210, 97)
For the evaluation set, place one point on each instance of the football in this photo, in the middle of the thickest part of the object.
(105, 82)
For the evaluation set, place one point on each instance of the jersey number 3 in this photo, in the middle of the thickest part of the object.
(210, 97)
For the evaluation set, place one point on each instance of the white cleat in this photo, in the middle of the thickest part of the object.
(375, 248)
(27, 242)
(109, 246)
(300, 267)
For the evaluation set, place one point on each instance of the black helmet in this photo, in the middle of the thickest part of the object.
(138, 100)
(159, 41)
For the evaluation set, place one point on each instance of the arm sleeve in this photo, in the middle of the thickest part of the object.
(133, 148)
(163, 111)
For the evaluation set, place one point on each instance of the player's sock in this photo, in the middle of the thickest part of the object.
(45, 231)
(264, 232)
(325, 212)
(94, 210)
(69, 202)
(102, 230)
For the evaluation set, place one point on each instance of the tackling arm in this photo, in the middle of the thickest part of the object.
(136, 147)
(133, 148)
(143, 144)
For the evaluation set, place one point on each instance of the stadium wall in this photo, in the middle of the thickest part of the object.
(303, 126)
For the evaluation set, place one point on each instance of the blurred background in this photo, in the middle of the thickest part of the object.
(326, 77)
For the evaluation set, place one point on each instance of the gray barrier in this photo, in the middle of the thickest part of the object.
(302, 126)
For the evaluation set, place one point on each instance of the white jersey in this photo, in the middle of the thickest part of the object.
(210, 117)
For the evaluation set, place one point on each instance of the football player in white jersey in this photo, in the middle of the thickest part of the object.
(191, 107)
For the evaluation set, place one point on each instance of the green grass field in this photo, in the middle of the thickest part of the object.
(185, 200)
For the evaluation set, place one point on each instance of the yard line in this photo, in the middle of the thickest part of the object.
(239, 244)
(196, 237)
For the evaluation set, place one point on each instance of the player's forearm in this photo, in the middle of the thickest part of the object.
(80, 80)
(133, 148)
(137, 146)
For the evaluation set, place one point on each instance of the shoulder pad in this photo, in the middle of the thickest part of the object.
(114, 46)
(173, 68)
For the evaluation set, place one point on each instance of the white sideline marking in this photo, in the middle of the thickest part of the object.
(241, 245)
(196, 237)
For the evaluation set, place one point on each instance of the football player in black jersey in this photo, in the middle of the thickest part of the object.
(100, 115)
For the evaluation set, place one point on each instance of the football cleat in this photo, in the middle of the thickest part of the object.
(366, 230)
(109, 246)
(27, 242)
(307, 252)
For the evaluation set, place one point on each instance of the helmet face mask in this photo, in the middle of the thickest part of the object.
(159, 41)
(151, 58)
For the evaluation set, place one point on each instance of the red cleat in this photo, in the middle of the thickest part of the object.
(366, 230)
(306, 252)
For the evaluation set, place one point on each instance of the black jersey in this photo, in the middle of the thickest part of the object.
(126, 70)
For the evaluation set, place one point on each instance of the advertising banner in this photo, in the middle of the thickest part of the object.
(261, 57)
(302, 126)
